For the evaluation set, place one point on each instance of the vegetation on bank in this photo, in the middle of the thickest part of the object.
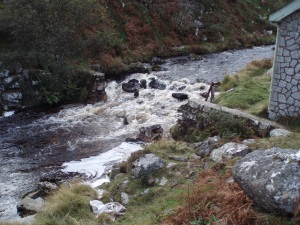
(197, 192)
(64, 37)
(249, 89)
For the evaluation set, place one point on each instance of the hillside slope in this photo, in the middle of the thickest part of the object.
(64, 37)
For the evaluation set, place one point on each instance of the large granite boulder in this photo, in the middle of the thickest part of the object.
(271, 178)
(146, 164)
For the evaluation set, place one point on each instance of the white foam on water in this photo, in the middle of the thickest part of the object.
(97, 167)
(8, 113)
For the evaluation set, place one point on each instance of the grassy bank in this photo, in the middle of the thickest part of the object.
(249, 89)
(197, 192)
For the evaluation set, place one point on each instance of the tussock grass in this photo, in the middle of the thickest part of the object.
(249, 89)
(165, 148)
(69, 206)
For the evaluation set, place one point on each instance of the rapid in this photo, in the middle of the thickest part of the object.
(89, 139)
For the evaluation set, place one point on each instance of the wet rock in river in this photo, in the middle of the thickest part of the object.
(156, 84)
(131, 86)
(180, 96)
(143, 83)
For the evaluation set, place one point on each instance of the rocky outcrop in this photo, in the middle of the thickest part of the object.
(19, 88)
(98, 92)
(271, 178)
(146, 164)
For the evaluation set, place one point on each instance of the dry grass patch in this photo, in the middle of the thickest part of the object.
(214, 201)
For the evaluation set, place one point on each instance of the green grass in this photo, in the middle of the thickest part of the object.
(247, 90)
(159, 202)
(292, 141)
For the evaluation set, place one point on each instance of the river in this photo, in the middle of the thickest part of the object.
(90, 138)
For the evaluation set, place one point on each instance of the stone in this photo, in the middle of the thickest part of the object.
(279, 133)
(229, 151)
(12, 97)
(180, 96)
(203, 149)
(111, 207)
(163, 181)
(96, 67)
(131, 86)
(30, 206)
(151, 180)
(248, 141)
(143, 83)
(271, 178)
(146, 165)
(171, 165)
(179, 158)
(136, 93)
(138, 67)
(151, 133)
(124, 198)
(156, 60)
(47, 186)
(194, 57)
(4, 74)
(8, 80)
(156, 84)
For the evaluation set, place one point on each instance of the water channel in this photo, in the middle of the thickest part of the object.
(89, 138)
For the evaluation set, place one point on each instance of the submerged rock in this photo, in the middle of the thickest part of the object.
(271, 178)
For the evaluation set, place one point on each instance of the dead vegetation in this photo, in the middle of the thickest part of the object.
(215, 199)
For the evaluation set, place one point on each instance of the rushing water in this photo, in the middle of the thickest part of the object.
(34, 145)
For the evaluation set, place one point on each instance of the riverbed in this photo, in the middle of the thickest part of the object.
(88, 139)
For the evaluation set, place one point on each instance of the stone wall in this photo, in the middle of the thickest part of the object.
(197, 111)
(285, 89)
